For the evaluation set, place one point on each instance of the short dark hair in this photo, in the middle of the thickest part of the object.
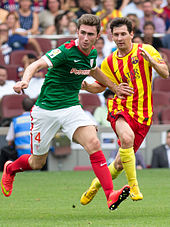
(3, 67)
(27, 103)
(107, 93)
(120, 21)
(168, 131)
(149, 23)
(91, 20)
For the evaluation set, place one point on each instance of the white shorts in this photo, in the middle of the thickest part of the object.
(46, 123)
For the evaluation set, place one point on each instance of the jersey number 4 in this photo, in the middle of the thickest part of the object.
(38, 138)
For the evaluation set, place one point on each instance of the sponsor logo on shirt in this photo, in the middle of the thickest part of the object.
(80, 71)
(54, 52)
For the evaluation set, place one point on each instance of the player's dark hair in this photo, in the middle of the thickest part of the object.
(27, 104)
(91, 20)
(120, 21)
(2, 67)
(149, 23)
(107, 93)
(168, 131)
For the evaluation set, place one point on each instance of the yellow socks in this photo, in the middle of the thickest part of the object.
(114, 173)
(129, 164)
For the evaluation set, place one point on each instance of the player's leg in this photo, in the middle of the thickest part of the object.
(42, 132)
(87, 137)
(115, 169)
(79, 127)
(127, 155)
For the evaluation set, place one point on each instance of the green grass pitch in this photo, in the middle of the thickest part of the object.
(48, 199)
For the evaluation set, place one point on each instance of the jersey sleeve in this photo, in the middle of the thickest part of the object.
(154, 54)
(55, 57)
(107, 71)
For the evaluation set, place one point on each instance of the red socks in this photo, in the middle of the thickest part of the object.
(19, 165)
(102, 172)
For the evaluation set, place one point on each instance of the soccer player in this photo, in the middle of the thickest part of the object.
(58, 108)
(131, 117)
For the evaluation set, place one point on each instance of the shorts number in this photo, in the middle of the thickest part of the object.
(38, 137)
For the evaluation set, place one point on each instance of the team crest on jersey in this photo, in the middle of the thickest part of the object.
(91, 62)
(134, 60)
(54, 52)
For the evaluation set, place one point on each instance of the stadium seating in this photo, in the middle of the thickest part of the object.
(12, 72)
(11, 106)
(45, 45)
(167, 52)
(165, 116)
(160, 101)
(16, 56)
(160, 84)
(89, 101)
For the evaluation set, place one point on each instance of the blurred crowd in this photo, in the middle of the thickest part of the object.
(19, 19)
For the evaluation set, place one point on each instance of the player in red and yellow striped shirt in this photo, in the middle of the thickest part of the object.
(130, 117)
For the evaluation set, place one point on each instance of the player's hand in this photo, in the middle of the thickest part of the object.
(19, 86)
(123, 90)
(146, 55)
(84, 85)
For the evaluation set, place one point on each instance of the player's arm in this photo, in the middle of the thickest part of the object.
(120, 90)
(28, 74)
(160, 67)
(92, 88)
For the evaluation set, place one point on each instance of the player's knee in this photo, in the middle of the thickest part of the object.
(37, 164)
(93, 145)
(127, 139)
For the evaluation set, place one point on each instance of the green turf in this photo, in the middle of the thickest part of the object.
(47, 199)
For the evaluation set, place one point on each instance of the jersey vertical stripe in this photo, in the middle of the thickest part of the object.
(132, 101)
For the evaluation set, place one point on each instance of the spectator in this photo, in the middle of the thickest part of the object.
(149, 30)
(6, 86)
(137, 39)
(72, 28)
(149, 16)
(166, 41)
(36, 81)
(109, 44)
(134, 7)
(135, 23)
(107, 13)
(100, 113)
(10, 6)
(167, 12)
(99, 45)
(13, 24)
(47, 16)
(18, 136)
(38, 5)
(27, 18)
(85, 6)
(3, 14)
(60, 25)
(158, 9)
(161, 154)
(14, 42)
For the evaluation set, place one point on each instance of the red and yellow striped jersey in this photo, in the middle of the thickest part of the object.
(105, 20)
(137, 72)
